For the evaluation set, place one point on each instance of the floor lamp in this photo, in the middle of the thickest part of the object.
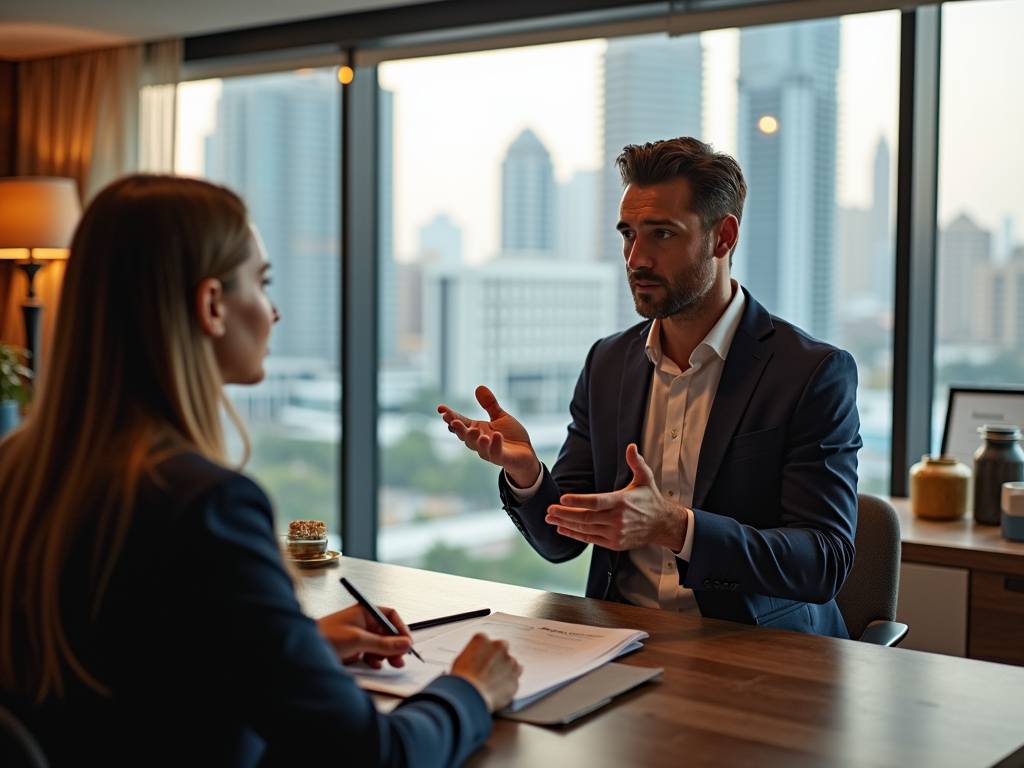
(38, 216)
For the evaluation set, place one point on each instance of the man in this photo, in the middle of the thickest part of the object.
(712, 454)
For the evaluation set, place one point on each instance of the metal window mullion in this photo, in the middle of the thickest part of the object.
(359, 315)
(916, 210)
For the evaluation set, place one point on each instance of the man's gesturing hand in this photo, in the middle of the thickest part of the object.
(502, 440)
(625, 519)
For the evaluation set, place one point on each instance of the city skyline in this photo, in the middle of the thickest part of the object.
(870, 59)
(557, 91)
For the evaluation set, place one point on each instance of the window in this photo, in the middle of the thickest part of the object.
(816, 132)
(501, 265)
(979, 317)
(274, 139)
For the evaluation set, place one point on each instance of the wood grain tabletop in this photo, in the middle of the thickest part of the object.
(730, 695)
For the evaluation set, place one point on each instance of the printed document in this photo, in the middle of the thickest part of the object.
(552, 653)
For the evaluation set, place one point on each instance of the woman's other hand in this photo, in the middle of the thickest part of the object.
(356, 635)
(488, 666)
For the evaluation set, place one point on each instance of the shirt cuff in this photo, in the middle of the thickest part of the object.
(523, 495)
(687, 548)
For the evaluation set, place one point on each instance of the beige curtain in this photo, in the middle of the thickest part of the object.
(157, 102)
(79, 117)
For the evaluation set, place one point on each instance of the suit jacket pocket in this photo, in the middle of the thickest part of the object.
(753, 444)
(788, 617)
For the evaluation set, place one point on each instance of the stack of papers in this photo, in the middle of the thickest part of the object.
(552, 653)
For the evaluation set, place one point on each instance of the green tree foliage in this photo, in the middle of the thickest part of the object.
(427, 400)
(300, 476)
(1005, 370)
(411, 463)
(522, 566)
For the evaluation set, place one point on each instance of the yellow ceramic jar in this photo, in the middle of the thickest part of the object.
(939, 488)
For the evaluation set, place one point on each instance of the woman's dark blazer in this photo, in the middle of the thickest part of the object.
(209, 658)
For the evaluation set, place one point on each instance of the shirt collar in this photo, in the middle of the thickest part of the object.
(718, 340)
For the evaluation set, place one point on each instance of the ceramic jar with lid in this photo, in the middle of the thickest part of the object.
(999, 460)
(939, 488)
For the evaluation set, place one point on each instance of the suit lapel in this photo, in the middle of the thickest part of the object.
(743, 367)
(633, 392)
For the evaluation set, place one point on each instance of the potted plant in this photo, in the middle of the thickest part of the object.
(15, 389)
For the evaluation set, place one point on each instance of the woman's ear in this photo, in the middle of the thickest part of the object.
(210, 309)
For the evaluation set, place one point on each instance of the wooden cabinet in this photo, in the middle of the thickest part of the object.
(995, 576)
(996, 624)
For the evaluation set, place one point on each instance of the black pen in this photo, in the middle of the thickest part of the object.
(449, 619)
(372, 610)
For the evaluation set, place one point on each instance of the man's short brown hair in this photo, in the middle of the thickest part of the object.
(716, 181)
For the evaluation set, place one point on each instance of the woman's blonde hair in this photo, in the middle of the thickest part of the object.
(131, 378)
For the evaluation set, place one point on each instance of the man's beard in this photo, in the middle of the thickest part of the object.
(683, 295)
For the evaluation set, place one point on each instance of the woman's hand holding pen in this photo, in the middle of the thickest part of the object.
(356, 635)
(484, 663)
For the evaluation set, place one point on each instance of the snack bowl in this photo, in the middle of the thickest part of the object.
(304, 549)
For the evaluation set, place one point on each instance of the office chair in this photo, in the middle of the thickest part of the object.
(18, 748)
(867, 600)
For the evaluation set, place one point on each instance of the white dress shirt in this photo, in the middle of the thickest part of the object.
(678, 407)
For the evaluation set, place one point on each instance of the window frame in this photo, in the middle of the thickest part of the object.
(366, 38)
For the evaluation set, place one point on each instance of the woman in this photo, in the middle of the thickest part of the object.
(145, 614)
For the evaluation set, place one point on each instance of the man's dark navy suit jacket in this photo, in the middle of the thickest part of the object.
(775, 494)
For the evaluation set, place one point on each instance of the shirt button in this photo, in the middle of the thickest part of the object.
(670, 565)
(669, 492)
(674, 434)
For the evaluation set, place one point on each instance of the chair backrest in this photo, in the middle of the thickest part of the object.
(18, 748)
(869, 593)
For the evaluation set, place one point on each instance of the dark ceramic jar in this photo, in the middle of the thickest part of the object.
(999, 460)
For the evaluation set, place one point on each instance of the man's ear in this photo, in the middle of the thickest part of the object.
(726, 234)
(210, 309)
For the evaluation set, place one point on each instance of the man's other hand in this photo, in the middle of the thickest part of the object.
(502, 440)
(626, 519)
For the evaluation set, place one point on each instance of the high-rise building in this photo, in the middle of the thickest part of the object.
(865, 248)
(997, 317)
(493, 324)
(527, 197)
(963, 249)
(653, 90)
(883, 244)
(276, 143)
(579, 232)
(441, 241)
(787, 146)
(387, 327)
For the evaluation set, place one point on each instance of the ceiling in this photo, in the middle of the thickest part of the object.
(34, 28)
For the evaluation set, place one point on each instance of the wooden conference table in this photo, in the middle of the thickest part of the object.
(731, 695)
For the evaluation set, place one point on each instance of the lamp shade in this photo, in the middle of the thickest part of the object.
(37, 214)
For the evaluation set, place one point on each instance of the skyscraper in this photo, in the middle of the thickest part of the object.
(787, 147)
(387, 271)
(276, 143)
(883, 246)
(441, 241)
(527, 197)
(964, 249)
(579, 232)
(653, 90)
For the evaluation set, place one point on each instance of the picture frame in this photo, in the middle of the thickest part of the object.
(969, 408)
